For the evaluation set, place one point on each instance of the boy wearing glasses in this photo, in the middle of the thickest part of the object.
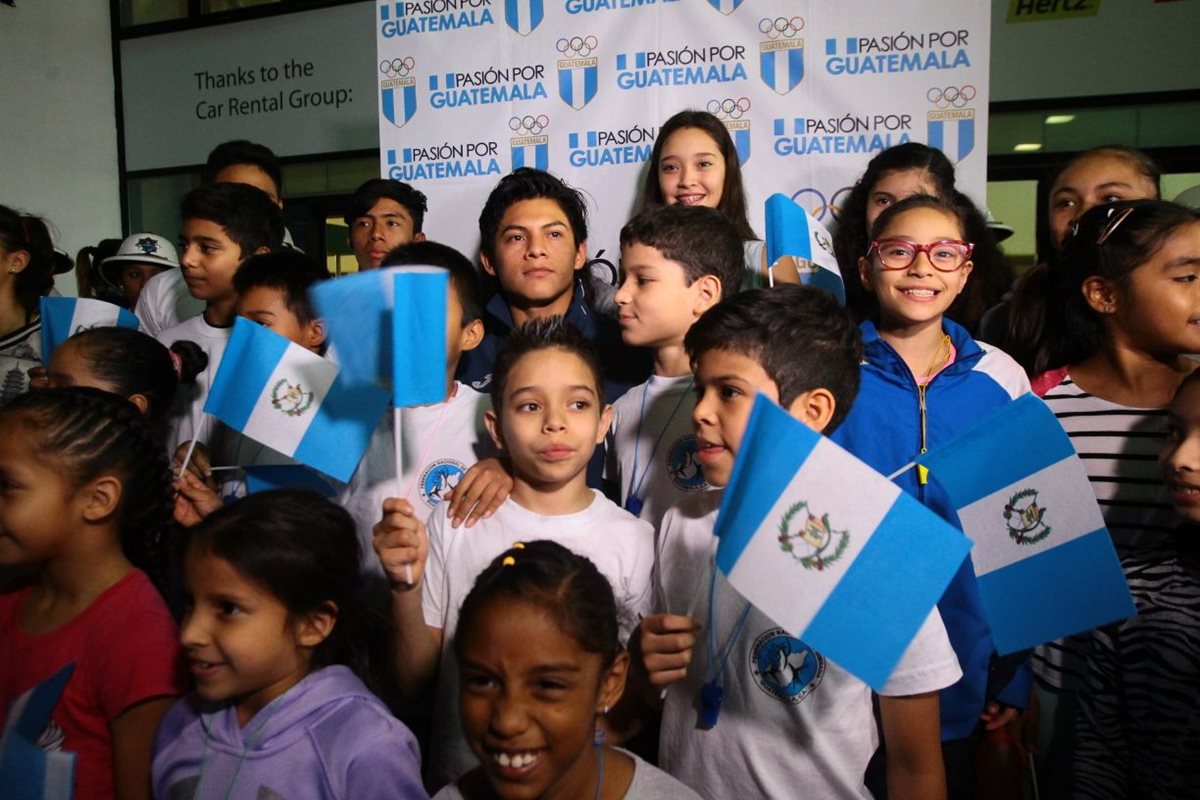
(923, 380)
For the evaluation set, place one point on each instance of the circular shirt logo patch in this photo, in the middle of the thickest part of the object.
(683, 468)
(785, 667)
(439, 478)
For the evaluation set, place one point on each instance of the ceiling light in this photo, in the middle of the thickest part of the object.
(1027, 147)
(1059, 119)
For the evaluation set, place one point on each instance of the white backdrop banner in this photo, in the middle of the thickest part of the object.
(810, 90)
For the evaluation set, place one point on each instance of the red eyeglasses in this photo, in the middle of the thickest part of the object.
(947, 255)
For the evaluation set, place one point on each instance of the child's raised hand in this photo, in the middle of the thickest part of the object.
(482, 490)
(200, 464)
(401, 544)
(665, 642)
(194, 499)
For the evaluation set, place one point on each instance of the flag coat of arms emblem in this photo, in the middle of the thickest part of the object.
(578, 80)
(781, 64)
(739, 131)
(523, 16)
(726, 7)
(63, 317)
(792, 231)
(531, 151)
(1044, 560)
(398, 100)
(953, 132)
(829, 549)
(291, 400)
(579, 69)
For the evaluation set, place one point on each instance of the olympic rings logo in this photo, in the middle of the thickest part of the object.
(729, 108)
(814, 200)
(577, 46)
(529, 125)
(951, 96)
(780, 28)
(397, 67)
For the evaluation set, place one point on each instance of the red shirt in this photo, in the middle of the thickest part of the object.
(125, 647)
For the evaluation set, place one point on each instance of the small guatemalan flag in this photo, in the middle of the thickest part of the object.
(357, 310)
(792, 231)
(63, 317)
(33, 765)
(265, 477)
(830, 549)
(1045, 562)
(419, 336)
(388, 327)
(293, 401)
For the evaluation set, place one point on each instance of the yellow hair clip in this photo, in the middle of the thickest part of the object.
(508, 561)
(517, 546)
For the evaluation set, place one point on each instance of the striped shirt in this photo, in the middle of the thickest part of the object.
(1138, 727)
(1118, 446)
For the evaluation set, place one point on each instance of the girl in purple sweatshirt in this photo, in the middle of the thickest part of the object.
(272, 583)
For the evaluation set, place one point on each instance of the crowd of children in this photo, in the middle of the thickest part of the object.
(530, 583)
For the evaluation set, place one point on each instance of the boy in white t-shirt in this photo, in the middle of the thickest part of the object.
(676, 263)
(441, 441)
(549, 414)
(223, 225)
(165, 300)
(749, 710)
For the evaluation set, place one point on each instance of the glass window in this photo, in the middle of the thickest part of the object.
(214, 6)
(143, 12)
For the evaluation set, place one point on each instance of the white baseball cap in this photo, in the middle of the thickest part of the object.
(141, 248)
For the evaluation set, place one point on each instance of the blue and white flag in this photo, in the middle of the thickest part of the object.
(403, 351)
(792, 231)
(1045, 562)
(63, 317)
(264, 477)
(31, 766)
(357, 310)
(830, 549)
(291, 400)
(419, 336)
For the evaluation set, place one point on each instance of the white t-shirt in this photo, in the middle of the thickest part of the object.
(652, 449)
(440, 441)
(792, 723)
(165, 302)
(620, 545)
(649, 783)
(187, 419)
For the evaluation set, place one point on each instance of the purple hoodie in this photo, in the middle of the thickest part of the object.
(326, 737)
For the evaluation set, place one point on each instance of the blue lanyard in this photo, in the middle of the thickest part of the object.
(633, 502)
(711, 693)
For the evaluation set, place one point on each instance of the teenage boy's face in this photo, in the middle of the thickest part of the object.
(536, 254)
(550, 419)
(1179, 457)
(209, 259)
(268, 307)
(726, 383)
(375, 234)
(655, 305)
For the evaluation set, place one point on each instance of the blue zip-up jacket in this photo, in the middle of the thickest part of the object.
(884, 430)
